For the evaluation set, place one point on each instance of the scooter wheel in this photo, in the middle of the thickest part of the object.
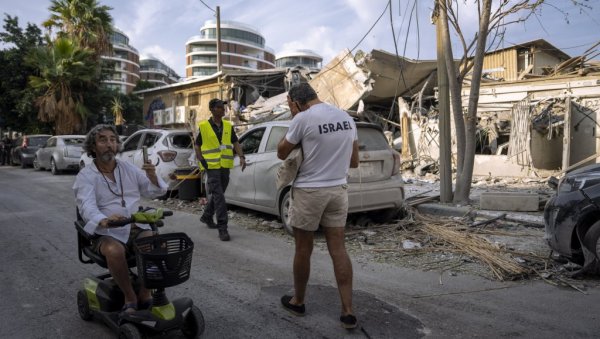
(83, 306)
(193, 324)
(129, 331)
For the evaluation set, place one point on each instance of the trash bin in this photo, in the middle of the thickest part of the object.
(189, 184)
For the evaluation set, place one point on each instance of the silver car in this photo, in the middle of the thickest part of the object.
(376, 185)
(59, 153)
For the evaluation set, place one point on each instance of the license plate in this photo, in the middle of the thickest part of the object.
(370, 168)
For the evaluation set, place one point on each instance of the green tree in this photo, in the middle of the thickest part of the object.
(87, 26)
(65, 73)
(85, 21)
(17, 110)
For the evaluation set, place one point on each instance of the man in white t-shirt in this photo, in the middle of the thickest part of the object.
(329, 142)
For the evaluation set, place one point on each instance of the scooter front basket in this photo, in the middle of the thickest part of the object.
(164, 260)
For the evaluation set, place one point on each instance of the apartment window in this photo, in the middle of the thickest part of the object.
(194, 99)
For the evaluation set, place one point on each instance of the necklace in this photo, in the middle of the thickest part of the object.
(120, 184)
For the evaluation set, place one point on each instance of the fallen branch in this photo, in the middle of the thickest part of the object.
(489, 221)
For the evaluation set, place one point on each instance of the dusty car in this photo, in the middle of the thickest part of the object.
(572, 218)
(169, 150)
(59, 153)
(24, 149)
(376, 185)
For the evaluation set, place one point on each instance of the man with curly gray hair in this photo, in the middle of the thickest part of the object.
(90, 139)
(110, 190)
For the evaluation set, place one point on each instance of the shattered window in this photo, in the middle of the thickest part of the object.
(277, 133)
(251, 141)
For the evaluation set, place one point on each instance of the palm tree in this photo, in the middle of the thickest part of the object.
(116, 106)
(65, 72)
(85, 21)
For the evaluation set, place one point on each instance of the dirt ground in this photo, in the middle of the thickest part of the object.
(498, 250)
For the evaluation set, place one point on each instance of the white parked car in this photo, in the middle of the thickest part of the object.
(376, 185)
(59, 153)
(168, 150)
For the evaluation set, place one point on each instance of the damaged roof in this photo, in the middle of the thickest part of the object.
(374, 77)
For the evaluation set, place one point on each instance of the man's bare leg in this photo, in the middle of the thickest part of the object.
(116, 260)
(304, 248)
(342, 266)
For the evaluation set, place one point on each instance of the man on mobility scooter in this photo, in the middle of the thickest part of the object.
(110, 190)
(115, 235)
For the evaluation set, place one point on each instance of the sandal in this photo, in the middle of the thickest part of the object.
(348, 321)
(297, 310)
(129, 308)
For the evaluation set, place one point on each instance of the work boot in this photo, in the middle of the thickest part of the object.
(208, 221)
(224, 235)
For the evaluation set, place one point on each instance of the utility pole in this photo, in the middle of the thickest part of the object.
(444, 108)
(219, 64)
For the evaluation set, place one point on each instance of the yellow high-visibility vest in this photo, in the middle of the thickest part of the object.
(217, 155)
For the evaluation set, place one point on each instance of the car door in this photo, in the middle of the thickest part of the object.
(131, 146)
(45, 152)
(241, 184)
(265, 165)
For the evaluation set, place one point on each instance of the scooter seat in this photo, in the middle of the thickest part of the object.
(84, 247)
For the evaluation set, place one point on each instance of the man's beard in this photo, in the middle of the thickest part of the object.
(107, 156)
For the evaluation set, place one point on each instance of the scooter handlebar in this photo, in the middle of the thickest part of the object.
(133, 219)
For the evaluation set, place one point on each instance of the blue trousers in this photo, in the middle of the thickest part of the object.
(217, 180)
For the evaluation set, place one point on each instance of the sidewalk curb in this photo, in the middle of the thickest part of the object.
(444, 210)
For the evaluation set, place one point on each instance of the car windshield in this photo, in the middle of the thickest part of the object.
(74, 141)
(371, 139)
(36, 141)
(181, 140)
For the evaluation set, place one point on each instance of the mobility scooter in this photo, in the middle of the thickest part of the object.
(162, 261)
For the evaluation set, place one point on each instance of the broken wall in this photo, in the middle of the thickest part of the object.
(584, 130)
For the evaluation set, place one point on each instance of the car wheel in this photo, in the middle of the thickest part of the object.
(387, 215)
(284, 212)
(53, 168)
(591, 240)
(22, 163)
(36, 164)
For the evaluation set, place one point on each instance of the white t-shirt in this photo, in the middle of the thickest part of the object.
(327, 134)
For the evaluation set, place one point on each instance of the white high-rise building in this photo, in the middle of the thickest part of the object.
(242, 48)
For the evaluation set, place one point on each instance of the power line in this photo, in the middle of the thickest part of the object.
(361, 40)
(207, 6)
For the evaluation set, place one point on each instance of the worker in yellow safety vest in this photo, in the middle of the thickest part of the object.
(215, 145)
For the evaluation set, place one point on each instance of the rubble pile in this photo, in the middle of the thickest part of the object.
(496, 250)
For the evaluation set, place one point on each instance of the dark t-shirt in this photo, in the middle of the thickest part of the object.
(218, 131)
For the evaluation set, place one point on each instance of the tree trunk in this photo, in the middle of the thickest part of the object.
(455, 85)
(463, 182)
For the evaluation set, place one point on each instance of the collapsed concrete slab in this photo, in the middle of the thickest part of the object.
(509, 201)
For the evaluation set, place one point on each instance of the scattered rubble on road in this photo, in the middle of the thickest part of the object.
(495, 248)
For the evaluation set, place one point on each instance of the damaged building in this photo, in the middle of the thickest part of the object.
(538, 107)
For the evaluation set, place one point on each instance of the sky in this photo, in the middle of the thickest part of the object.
(162, 27)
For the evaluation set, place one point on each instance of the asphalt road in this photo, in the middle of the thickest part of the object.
(237, 284)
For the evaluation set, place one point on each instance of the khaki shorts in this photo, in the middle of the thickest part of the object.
(325, 206)
(134, 233)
